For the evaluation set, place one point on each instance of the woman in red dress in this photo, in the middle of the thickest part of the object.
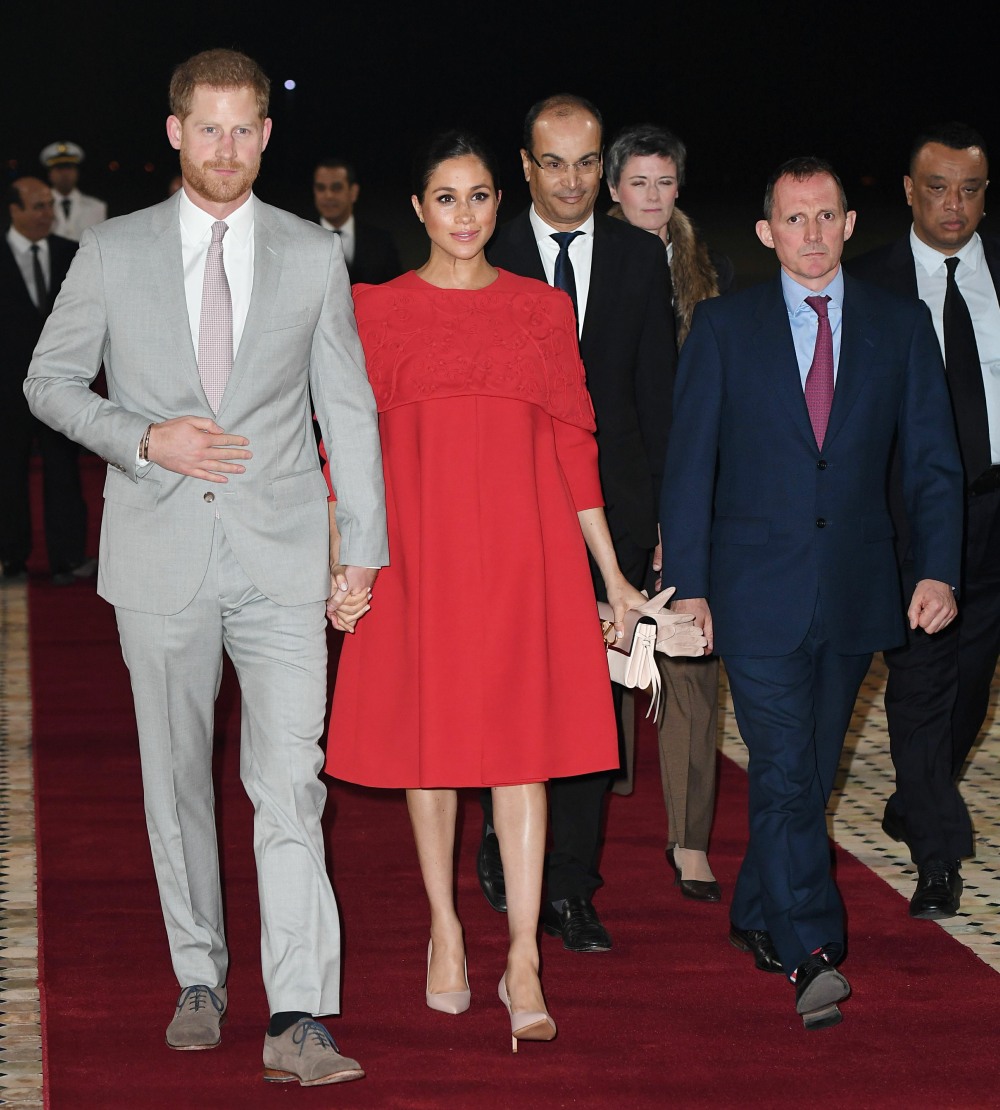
(481, 662)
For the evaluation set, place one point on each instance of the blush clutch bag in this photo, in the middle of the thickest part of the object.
(649, 628)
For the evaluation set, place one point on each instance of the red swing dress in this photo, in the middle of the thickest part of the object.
(481, 662)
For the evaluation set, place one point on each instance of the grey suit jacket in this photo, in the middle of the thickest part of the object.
(123, 303)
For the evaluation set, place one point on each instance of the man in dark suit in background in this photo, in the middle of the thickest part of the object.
(938, 689)
(369, 251)
(33, 263)
(616, 279)
(789, 398)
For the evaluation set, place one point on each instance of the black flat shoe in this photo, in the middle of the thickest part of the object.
(698, 890)
(757, 942)
(819, 986)
(489, 869)
(578, 925)
(939, 890)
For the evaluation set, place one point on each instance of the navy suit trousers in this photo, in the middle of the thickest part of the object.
(793, 712)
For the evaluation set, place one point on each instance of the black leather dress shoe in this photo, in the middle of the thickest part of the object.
(489, 868)
(698, 890)
(893, 824)
(578, 925)
(819, 986)
(759, 943)
(939, 890)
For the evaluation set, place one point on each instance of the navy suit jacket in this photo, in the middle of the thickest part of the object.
(630, 355)
(761, 522)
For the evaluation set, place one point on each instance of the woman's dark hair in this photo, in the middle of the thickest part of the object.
(451, 144)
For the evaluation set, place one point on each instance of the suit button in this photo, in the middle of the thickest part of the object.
(821, 523)
(209, 497)
(821, 465)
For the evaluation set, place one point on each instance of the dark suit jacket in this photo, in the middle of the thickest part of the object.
(760, 521)
(893, 268)
(629, 353)
(20, 321)
(376, 259)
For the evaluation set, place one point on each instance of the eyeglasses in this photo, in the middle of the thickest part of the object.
(555, 168)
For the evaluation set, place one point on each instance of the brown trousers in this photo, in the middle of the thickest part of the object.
(687, 730)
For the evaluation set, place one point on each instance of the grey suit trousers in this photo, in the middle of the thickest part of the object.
(175, 665)
(688, 726)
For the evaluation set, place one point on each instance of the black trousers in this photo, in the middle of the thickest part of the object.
(937, 696)
(576, 804)
(64, 509)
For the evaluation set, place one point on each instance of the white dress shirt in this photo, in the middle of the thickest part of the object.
(581, 254)
(972, 276)
(237, 259)
(21, 248)
(347, 236)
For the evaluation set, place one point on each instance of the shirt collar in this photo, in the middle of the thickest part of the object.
(932, 260)
(196, 223)
(543, 230)
(795, 294)
(22, 243)
(346, 228)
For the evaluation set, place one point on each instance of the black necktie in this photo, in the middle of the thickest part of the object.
(41, 290)
(564, 277)
(65, 206)
(965, 378)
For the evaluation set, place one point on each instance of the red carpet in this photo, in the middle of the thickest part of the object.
(672, 1017)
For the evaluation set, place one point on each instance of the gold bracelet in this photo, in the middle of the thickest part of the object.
(144, 446)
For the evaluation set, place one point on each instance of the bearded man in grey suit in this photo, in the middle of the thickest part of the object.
(216, 316)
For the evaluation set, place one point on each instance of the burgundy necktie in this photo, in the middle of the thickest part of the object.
(215, 332)
(819, 381)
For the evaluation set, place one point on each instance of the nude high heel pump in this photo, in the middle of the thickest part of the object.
(447, 1002)
(526, 1025)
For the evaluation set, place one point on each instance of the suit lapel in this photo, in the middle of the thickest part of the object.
(14, 278)
(166, 259)
(858, 338)
(602, 272)
(267, 254)
(775, 353)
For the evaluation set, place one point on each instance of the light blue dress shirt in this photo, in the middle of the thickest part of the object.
(805, 323)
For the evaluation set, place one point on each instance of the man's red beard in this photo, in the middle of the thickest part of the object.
(220, 190)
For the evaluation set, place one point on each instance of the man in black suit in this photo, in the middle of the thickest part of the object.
(938, 689)
(615, 276)
(369, 251)
(33, 263)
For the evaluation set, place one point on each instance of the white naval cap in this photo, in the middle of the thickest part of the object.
(61, 154)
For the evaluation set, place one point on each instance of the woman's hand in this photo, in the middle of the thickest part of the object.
(622, 596)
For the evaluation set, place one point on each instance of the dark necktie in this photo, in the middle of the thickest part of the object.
(564, 278)
(41, 289)
(965, 378)
(65, 206)
(215, 331)
(819, 381)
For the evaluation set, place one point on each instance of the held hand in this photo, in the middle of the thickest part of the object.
(197, 447)
(933, 606)
(658, 563)
(350, 595)
(698, 608)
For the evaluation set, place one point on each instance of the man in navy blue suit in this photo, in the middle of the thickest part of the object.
(790, 397)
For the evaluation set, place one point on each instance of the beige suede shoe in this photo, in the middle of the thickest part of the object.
(200, 1011)
(306, 1052)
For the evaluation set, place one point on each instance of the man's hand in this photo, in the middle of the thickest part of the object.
(350, 595)
(933, 606)
(197, 447)
(698, 607)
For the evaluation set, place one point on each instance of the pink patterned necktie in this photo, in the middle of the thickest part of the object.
(215, 331)
(819, 381)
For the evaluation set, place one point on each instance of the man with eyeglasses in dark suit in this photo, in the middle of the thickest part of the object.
(615, 276)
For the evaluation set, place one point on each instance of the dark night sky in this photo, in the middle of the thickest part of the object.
(745, 85)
